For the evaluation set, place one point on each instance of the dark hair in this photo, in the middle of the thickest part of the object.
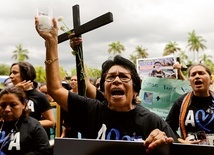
(157, 62)
(119, 60)
(66, 85)
(202, 65)
(27, 72)
(19, 93)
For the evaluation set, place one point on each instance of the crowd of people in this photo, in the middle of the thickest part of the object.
(110, 110)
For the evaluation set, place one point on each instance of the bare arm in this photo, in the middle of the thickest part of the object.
(49, 120)
(180, 74)
(54, 81)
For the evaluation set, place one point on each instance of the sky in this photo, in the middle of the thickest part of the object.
(147, 23)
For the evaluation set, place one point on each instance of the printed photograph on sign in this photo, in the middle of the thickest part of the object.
(148, 97)
(161, 67)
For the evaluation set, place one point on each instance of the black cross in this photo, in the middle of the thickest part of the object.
(81, 29)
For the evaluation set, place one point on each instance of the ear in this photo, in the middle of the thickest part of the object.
(135, 95)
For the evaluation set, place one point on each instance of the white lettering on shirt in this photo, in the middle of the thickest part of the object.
(15, 142)
(190, 118)
(31, 105)
(102, 132)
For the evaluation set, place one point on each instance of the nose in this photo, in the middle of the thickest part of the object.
(117, 79)
(197, 75)
(7, 108)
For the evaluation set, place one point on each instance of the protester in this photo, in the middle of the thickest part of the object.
(23, 75)
(118, 118)
(20, 134)
(193, 112)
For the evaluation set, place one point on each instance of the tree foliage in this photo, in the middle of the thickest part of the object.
(92, 72)
(139, 52)
(171, 48)
(195, 43)
(5, 69)
(116, 48)
(20, 54)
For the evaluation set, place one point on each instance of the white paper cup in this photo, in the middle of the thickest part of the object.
(45, 15)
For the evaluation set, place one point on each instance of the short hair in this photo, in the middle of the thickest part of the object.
(27, 72)
(123, 62)
(157, 62)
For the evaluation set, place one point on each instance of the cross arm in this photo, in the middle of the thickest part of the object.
(91, 25)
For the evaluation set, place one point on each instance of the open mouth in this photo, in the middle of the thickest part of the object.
(198, 83)
(117, 92)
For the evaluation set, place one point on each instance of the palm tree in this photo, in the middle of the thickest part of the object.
(20, 54)
(206, 59)
(171, 48)
(183, 58)
(116, 48)
(139, 52)
(133, 58)
(195, 44)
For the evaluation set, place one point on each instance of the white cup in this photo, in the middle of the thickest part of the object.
(45, 15)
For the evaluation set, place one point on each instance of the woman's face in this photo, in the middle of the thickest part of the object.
(15, 74)
(73, 82)
(200, 81)
(119, 94)
(10, 107)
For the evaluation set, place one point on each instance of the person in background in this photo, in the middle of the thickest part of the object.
(20, 133)
(97, 83)
(117, 118)
(73, 84)
(92, 80)
(8, 82)
(43, 89)
(23, 75)
(193, 112)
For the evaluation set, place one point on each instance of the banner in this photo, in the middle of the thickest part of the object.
(161, 67)
(158, 94)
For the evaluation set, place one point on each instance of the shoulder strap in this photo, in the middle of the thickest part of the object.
(185, 104)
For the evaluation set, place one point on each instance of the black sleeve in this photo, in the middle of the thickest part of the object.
(100, 96)
(45, 104)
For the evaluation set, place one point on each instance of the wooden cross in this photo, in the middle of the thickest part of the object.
(81, 29)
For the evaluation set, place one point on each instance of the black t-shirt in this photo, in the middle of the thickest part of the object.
(95, 120)
(199, 115)
(37, 103)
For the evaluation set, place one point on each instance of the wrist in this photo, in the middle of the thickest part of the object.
(51, 42)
